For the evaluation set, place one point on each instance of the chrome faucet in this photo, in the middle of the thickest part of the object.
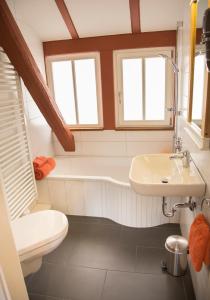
(184, 155)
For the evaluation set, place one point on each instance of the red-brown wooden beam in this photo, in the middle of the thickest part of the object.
(107, 84)
(20, 56)
(112, 42)
(135, 16)
(67, 18)
(105, 45)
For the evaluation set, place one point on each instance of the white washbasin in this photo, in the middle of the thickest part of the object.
(158, 175)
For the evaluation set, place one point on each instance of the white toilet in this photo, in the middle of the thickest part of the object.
(36, 235)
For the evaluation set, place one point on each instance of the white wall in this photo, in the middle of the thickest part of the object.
(201, 280)
(9, 260)
(118, 143)
(39, 131)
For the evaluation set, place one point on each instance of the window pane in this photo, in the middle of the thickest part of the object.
(86, 91)
(63, 89)
(132, 89)
(198, 87)
(155, 88)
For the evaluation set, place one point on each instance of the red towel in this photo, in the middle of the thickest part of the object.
(198, 241)
(45, 169)
(39, 161)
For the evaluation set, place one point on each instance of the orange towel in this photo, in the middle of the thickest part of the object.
(198, 241)
(45, 169)
(207, 254)
(39, 161)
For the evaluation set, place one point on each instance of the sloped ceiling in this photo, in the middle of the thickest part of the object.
(95, 17)
(42, 16)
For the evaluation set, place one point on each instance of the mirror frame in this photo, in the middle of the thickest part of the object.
(205, 125)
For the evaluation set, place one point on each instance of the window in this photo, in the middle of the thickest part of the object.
(198, 88)
(143, 88)
(75, 83)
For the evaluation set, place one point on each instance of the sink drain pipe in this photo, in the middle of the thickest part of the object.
(190, 204)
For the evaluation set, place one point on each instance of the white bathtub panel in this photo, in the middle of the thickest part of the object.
(108, 200)
(144, 212)
(42, 187)
(129, 207)
(162, 218)
(172, 201)
(112, 202)
(93, 198)
(57, 193)
(75, 197)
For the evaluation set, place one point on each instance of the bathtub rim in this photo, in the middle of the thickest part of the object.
(87, 178)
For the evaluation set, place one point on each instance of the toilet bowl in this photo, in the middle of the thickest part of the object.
(36, 235)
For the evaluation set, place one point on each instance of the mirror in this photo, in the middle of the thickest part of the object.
(199, 78)
(199, 69)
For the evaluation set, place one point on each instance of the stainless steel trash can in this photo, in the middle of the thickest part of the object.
(176, 257)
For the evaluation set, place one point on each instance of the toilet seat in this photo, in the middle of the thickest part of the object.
(36, 232)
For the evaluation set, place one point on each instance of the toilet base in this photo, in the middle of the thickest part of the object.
(32, 266)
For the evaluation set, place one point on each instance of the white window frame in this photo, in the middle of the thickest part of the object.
(77, 56)
(118, 56)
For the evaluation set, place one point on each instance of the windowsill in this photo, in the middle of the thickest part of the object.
(124, 129)
(127, 128)
(194, 133)
(85, 128)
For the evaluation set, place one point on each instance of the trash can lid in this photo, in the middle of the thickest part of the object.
(176, 244)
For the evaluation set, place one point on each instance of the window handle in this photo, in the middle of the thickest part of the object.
(120, 97)
(171, 109)
(174, 111)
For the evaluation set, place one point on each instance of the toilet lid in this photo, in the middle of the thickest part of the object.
(37, 229)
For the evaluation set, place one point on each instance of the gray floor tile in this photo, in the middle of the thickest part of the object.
(149, 260)
(61, 254)
(84, 219)
(41, 297)
(171, 230)
(76, 270)
(84, 283)
(71, 283)
(95, 232)
(39, 281)
(147, 237)
(136, 286)
(188, 286)
(111, 256)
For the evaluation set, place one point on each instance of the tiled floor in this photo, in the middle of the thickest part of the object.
(102, 260)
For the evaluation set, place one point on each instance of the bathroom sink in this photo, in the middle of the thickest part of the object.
(158, 175)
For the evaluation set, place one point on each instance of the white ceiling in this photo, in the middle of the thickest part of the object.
(95, 17)
(157, 15)
(100, 17)
(42, 16)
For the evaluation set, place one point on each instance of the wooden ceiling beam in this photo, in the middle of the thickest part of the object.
(112, 42)
(67, 18)
(14, 45)
(135, 16)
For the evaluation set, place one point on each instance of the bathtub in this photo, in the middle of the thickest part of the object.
(99, 186)
(109, 169)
